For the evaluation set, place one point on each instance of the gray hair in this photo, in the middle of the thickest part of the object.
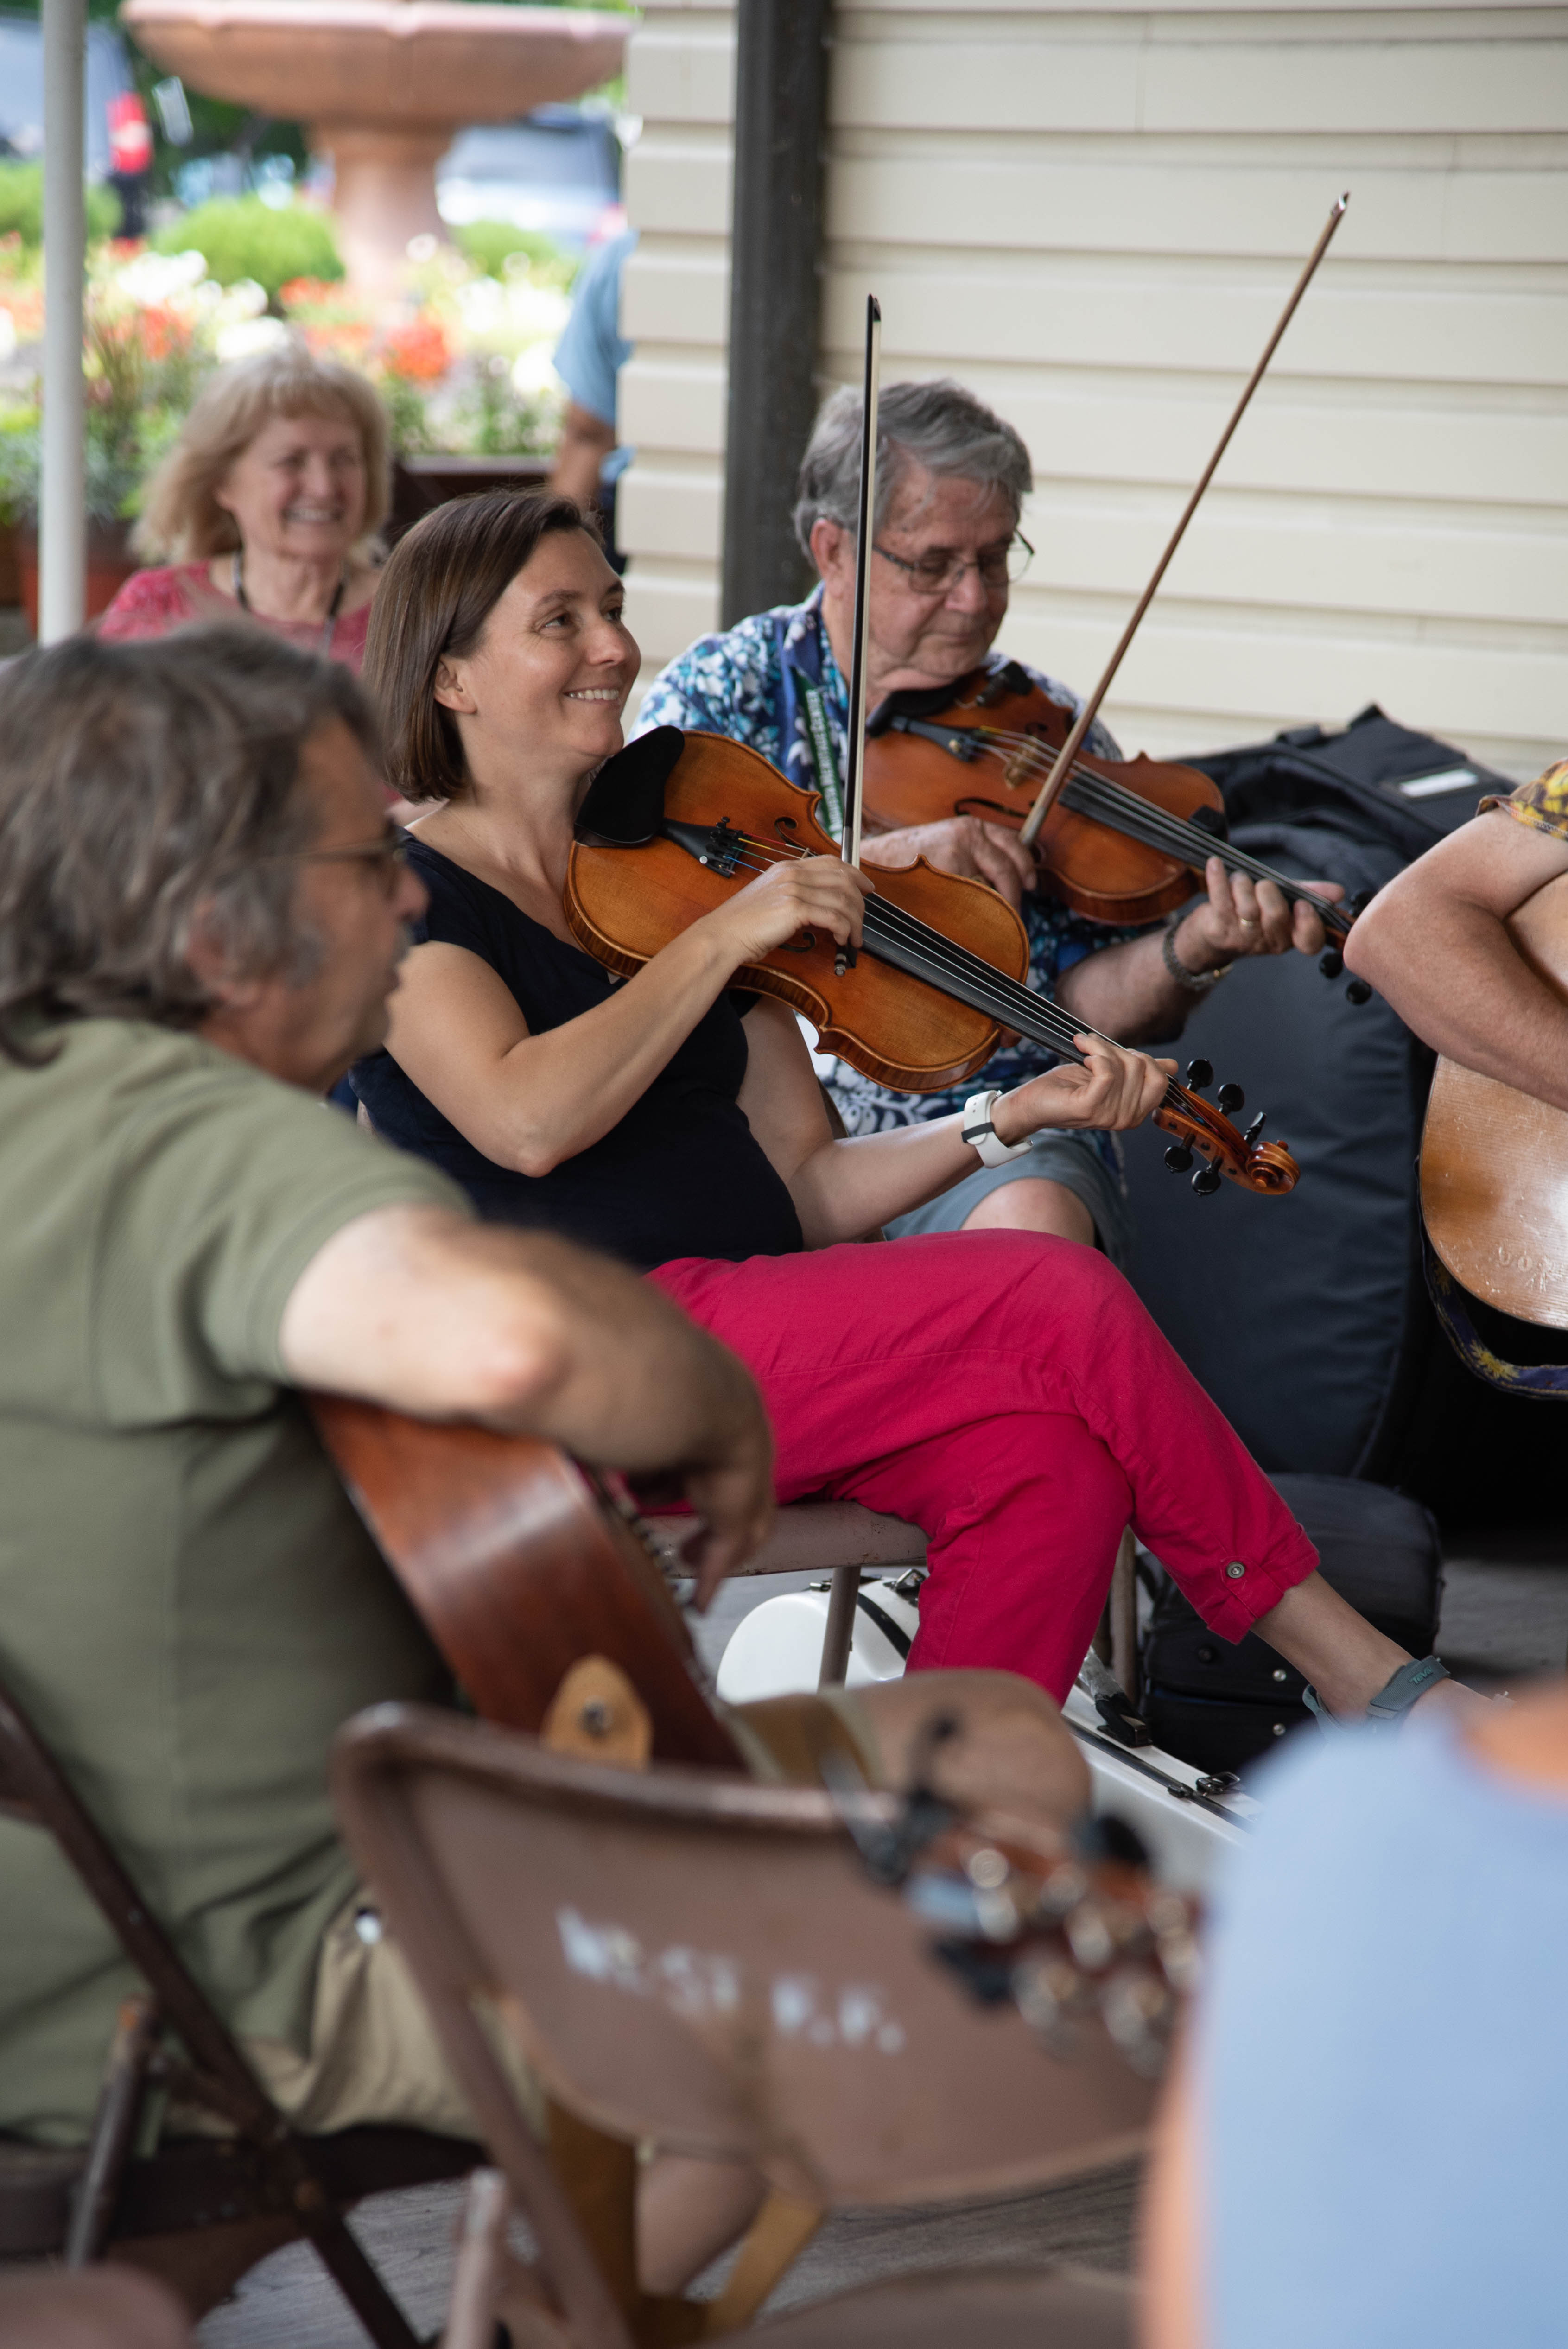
(937, 425)
(144, 786)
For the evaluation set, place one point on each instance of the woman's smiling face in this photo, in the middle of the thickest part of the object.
(551, 674)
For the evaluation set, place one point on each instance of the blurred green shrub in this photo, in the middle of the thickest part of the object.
(240, 236)
(22, 206)
(490, 245)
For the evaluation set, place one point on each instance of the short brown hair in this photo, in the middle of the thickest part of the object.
(436, 596)
(140, 785)
(181, 516)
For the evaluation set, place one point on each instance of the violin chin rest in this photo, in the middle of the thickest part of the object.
(625, 802)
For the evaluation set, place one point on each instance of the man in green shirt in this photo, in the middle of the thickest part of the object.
(201, 913)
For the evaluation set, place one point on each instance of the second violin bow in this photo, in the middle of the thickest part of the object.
(1064, 760)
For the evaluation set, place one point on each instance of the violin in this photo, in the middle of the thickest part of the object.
(675, 821)
(1121, 840)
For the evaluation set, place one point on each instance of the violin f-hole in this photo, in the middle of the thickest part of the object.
(802, 944)
(785, 827)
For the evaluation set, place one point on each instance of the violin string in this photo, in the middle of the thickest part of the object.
(1156, 827)
(969, 976)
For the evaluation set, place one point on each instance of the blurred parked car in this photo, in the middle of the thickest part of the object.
(108, 80)
(557, 171)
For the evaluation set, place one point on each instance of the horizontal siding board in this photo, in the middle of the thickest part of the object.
(1268, 680)
(1318, 558)
(671, 404)
(679, 512)
(1342, 447)
(674, 298)
(676, 186)
(1203, 207)
(1158, 317)
(682, 77)
(1362, 84)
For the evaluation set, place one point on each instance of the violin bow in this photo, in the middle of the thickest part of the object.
(854, 767)
(1062, 769)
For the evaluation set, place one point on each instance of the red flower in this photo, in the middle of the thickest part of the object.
(419, 351)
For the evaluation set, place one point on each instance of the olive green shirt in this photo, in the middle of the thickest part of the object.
(189, 1607)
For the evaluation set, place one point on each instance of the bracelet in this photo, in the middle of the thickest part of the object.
(1393, 1700)
(980, 1133)
(1197, 982)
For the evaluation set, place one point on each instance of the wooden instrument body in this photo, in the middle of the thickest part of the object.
(521, 1564)
(1494, 1162)
(1099, 872)
(624, 906)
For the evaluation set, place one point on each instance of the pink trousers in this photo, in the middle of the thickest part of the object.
(1009, 1395)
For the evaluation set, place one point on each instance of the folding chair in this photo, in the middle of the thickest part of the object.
(694, 1960)
(834, 1537)
(198, 2211)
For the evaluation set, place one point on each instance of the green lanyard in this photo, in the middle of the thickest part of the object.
(825, 765)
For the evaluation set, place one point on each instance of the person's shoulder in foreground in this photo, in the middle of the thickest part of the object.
(1380, 2047)
(153, 602)
(1542, 804)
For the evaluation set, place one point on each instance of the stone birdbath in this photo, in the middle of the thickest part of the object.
(381, 85)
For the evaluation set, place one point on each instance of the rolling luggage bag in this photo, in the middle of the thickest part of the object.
(1220, 1706)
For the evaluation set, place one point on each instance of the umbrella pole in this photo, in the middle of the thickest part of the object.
(62, 505)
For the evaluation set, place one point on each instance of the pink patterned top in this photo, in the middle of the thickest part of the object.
(151, 603)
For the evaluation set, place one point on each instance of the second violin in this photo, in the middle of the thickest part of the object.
(1123, 838)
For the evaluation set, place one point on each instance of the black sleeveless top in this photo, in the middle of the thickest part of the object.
(680, 1175)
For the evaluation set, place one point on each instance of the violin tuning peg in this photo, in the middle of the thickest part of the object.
(1199, 1074)
(1362, 899)
(1231, 1097)
(1256, 1128)
(1331, 962)
(1178, 1158)
(1206, 1181)
(1358, 992)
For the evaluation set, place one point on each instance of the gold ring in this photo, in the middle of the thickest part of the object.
(1245, 923)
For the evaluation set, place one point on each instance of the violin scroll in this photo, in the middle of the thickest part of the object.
(1205, 1133)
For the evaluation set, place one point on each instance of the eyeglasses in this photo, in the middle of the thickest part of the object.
(938, 573)
(389, 854)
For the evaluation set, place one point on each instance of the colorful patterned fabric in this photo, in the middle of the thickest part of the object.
(1542, 804)
(761, 683)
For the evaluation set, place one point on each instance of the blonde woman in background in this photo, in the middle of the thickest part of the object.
(270, 503)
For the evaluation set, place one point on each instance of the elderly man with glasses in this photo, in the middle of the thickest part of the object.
(952, 477)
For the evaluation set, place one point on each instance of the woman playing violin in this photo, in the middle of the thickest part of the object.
(952, 477)
(1006, 1393)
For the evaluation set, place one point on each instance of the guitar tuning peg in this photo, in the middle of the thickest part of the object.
(1358, 992)
(1178, 1158)
(1231, 1097)
(1256, 1128)
(1206, 1181)
(1199, 1074)
(1331, 962)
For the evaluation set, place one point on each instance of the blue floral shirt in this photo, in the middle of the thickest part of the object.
(768, 682)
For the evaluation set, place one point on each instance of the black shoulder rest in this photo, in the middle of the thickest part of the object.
(627, 797)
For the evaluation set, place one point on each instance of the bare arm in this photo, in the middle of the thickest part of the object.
(531, 1102)
(1433, 945)
(843, 1190)
(418, 1310)
(584, 442)
(1127, 989)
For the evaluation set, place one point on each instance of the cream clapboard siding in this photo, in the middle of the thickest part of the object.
(1092, 217)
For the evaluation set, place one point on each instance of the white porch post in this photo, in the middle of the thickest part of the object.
(62, 509)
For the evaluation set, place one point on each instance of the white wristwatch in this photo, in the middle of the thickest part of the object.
(980, 1133)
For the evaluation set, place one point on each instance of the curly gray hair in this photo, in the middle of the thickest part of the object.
(144, 786)
(937, 425)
